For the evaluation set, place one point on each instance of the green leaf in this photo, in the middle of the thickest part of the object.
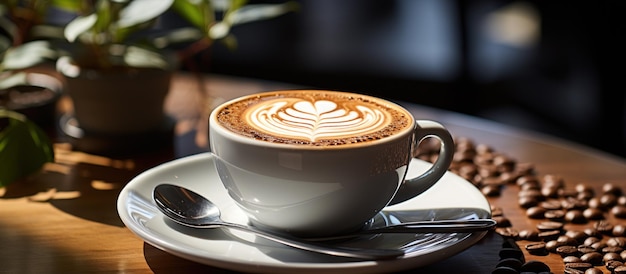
(258, 12)
(24, 147)
(79, 26)
(27, 55)
(142, 11)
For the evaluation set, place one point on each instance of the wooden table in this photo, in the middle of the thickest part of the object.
(64, 219)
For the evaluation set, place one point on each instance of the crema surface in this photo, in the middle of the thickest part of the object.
(314, 117)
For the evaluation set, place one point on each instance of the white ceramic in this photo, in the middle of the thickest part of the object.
(319, 191)
(453, 199)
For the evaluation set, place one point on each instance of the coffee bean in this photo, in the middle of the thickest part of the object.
(589, 241)
(611, 256)
(621, 200)
(612, 189)
(612, 249)
(619, 230)
(623, 255)
(583, 188)
(572, 259)
(579, 266)
(619, 211)
(537, 248)
(593, 271)
(608, 200)
(611, 265)
(592, 232)
(617, 241)
(620, 270)
(552, 245)
(573, 203)
(575, 216)
(598, 245)
(549, 235)
(549, 225)
(585, 195)
(567, 240)
(594, 202)
(567, 250)
(490, 190)
(551, 204)
(554, 215)
(535, 212)
(579, 236)
(529, 235)
(573, 271)
(502, 221)
(594, 258)
(593, 214)
(604, 227)
(507, 232)
(583, 249)
(535, 266)
(550, 191)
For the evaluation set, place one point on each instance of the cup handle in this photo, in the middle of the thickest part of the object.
(415, 186)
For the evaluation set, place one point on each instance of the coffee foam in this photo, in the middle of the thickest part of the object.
(313, 117)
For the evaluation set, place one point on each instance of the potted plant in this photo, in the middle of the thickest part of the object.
(116, 66)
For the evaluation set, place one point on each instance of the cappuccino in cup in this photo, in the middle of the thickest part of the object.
(324, 119)
(319, 163)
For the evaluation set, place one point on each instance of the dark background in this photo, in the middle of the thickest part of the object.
(549, 66)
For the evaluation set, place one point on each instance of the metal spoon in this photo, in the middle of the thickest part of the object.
(191, 209)
(188, 208)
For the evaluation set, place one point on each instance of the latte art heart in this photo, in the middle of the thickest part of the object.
(317, 119)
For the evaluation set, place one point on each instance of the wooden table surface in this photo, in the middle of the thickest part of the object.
(64, 218)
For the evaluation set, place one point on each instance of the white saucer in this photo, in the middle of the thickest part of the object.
(452, 198)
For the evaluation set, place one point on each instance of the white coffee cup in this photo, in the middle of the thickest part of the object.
(323, 186)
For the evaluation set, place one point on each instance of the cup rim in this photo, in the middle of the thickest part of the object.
(214, 125)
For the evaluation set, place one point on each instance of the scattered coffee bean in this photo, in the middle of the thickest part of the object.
(612, 249)
(575, 216)
(549, 235)
(529, 235)
(619, 211)
(593, 214)
(535, 212)
(594, 258)
(579, 236)
(572, 259)
(546, 226)
(507, 232)
(623, 255)
(555, 215)
(620, 270)
(611, 265)
(584, 249)
(580, 266)
(617, 241)
(573, 271)
(610, 188)
(619, 230)
(567, 250)
(502, 221)
(593, 271)
(603, 227)
(552, 245)
(611, 256)
(537, 248)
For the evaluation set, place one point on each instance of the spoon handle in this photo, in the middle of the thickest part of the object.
(360, 253)
(440, 226)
